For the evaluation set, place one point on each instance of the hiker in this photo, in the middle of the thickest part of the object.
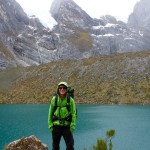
(62, 117)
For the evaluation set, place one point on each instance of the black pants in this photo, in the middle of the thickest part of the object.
(57, 133)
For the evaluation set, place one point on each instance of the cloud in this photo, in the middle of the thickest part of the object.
(39, 8)
(120, 9)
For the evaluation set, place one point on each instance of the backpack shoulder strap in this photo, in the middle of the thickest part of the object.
(55, 105)
(68, 99)
(68, 103)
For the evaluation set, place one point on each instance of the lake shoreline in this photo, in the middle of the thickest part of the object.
(128, 104)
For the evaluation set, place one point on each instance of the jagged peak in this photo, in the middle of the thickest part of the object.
(56, 4)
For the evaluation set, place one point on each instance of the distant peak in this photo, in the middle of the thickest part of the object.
(56, 4)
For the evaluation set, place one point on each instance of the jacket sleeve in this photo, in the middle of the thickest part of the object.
(73, 112)
(50, 113)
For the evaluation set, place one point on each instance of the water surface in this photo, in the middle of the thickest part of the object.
(131, 123)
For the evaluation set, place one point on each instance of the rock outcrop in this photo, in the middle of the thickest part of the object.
(24, 41)
(26, 143)
(140, 18)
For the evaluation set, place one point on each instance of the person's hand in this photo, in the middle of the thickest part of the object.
(71, 130)
(51, 129)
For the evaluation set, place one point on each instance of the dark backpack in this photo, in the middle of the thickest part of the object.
(70, 92)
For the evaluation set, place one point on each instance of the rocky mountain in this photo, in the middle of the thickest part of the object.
(25, 41)
(22, 38)
(140, 18)
(90, 37)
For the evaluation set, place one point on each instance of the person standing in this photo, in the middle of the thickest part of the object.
(62, 118)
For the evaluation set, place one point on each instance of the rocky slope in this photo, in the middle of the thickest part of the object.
(25, 41)
(115, 79)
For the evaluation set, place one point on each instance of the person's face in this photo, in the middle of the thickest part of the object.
(62, 90)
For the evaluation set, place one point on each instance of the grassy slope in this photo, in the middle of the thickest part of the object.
(6, 53)
(119, 79)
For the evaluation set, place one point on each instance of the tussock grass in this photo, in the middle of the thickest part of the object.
(81, 39)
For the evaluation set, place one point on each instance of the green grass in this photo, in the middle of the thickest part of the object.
(82, 40)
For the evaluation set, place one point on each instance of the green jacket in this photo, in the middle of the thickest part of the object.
(62, 112)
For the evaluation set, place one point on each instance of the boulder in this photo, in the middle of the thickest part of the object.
(27, 143)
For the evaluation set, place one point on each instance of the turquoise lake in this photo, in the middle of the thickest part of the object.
(131, 123)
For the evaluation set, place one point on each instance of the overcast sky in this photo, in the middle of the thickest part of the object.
(95, 8)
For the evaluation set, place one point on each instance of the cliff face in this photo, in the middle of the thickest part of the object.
(140, 18)
(85, 37)
(25, 41)
(12, 21)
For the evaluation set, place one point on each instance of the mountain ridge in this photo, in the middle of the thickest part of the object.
(26, 42)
